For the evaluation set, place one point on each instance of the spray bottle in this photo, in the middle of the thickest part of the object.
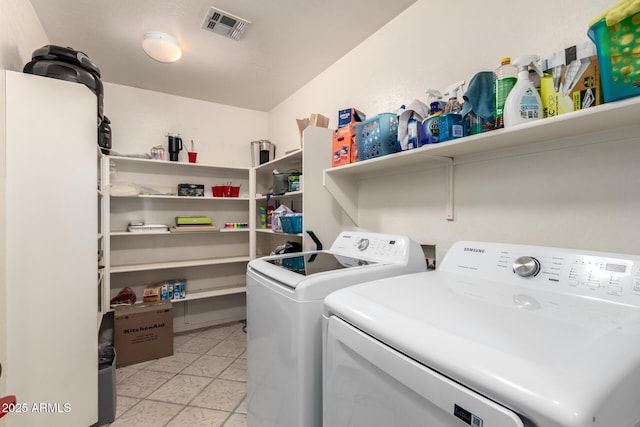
(430, 126)
(523, 104)
(451, 122)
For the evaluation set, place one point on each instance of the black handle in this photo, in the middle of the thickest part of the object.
(315, 239)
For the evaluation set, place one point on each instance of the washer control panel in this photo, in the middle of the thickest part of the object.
(374, 246)
(614, 277)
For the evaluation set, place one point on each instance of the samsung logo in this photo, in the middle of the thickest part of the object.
(476, 250)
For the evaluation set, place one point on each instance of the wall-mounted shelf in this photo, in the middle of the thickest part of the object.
(567, 129)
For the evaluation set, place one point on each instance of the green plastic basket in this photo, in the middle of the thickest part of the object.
(618, 49)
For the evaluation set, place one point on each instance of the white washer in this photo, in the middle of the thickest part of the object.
(285, 296)
(499, 335)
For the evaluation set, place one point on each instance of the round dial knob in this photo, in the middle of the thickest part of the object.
(362, 244)
(526, 266)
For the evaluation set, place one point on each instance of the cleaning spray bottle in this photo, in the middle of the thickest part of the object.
(430, 126)
(451, 122)
(523, 104)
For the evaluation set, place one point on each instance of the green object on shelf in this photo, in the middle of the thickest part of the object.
(193, 220)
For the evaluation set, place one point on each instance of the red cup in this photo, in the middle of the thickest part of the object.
(217, 191)
(226, 191)
(192, 156)
(234, 191)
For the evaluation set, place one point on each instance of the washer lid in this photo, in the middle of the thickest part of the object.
(317, 262)
(550, 356)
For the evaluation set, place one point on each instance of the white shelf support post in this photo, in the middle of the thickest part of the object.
(449, 184)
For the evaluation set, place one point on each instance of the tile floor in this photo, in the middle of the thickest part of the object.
(203, 384)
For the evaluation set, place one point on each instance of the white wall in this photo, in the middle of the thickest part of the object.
(570, 198)
(140, 119)
(20, 34)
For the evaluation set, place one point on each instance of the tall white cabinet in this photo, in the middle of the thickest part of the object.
(48, 280)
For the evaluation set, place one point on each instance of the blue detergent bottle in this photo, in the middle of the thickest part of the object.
(430, 125)
(452, 124)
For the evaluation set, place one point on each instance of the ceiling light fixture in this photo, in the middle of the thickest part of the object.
(161, 46)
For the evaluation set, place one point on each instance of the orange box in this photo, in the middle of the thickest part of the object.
(344, 149)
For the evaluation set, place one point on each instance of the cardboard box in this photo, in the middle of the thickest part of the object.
(571, 80)
(344, 148)
(317, 120)
(152, 294)
(349, 117)
(143, 332)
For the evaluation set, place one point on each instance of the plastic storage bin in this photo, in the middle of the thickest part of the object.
(618, 56)
(291, 223)
(107, 389)
(377, 136)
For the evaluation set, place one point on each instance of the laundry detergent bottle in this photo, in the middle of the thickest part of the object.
(523, 104)
(430, 125)
(452, 124)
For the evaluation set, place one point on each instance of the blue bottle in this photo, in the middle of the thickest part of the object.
(430, 126)
(452, 124)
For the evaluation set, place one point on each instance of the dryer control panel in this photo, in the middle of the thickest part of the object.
(609, 276)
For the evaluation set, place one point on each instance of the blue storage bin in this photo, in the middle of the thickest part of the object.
(618, 49)
(377, 136)
(291, 223)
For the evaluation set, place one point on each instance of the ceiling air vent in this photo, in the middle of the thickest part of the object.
(223, 23)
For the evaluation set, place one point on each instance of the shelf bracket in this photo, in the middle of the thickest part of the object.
(449, 184)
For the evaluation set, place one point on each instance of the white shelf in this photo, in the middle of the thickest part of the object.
(170, 164)
(291, 160)
(342, 181)
(281, 196)
(211, 293)
(269, 231)
(177, 264)
(202, 294)
(141, 233)
(152, 233)
(156, 196)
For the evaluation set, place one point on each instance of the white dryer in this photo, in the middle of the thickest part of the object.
(500, 335)
(285, 296)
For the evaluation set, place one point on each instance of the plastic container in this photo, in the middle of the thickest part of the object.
(618, 49)
(523, 105)
(506, 77)
(107, 389)
(291, 223)
(377, 136)
(452, 124)
(225, 191)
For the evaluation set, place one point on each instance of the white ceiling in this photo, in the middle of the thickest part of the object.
(288, 43)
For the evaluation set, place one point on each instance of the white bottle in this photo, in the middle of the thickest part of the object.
(523, 104)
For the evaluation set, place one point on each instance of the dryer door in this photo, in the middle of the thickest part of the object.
(367, 384)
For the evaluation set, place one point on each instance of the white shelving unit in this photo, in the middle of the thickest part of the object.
(264, 239)
(213, 262)
(597, 124)
(321, 213)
